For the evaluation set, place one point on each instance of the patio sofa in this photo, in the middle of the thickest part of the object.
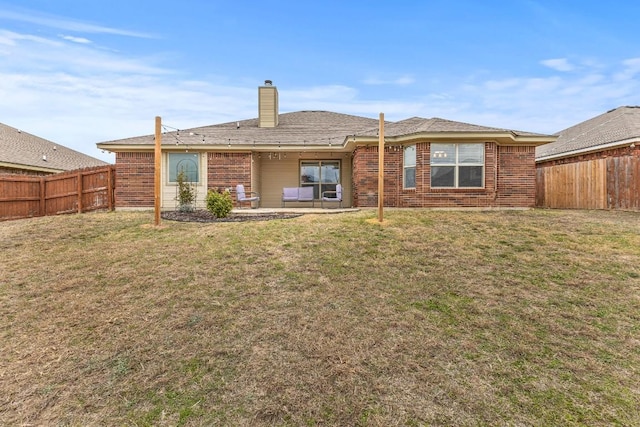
(297, 194)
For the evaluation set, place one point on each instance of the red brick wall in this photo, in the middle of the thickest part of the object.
(365, 175)
(134, 179)
(228, 170)
(517, 177)
(514, 168)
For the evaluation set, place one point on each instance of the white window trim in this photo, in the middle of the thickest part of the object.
(405, 167)
(456, 165)
(320, 183)
(198, 162)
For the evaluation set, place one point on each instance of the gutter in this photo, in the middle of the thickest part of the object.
(507, 138)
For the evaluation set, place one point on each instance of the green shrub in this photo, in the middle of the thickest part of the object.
(186, 193)
(219, 203)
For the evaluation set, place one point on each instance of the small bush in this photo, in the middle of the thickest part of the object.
(186, 193)
(219, 203)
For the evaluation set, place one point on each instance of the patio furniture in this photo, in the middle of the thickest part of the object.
(332, 196)
(297, 194)
(244, 196)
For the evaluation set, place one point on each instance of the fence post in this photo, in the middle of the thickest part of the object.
(43, 199)
(110, 189)
(80, 191)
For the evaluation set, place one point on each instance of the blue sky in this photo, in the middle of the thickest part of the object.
(81, 72)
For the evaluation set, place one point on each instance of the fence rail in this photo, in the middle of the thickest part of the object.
(82, 190)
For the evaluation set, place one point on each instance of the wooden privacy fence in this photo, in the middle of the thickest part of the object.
(82, 190)
(606, 183)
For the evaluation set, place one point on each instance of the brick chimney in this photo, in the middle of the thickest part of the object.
(267, 105)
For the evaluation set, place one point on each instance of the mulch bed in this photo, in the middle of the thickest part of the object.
(206, 216)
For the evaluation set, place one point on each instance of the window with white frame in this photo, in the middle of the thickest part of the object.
(409, 166)
(322, 175)
(189, 163)
(457, 165)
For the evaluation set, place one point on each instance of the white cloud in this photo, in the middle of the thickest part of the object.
(10, 38)
(630, 70)
(77, 95)
(504, 84)
(27, 55)
(398, 81)
(559, 64)
(306, 96)
(60, 23)
(549, 104)
(80, 40)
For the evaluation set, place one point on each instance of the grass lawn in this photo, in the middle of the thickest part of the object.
(502, 318)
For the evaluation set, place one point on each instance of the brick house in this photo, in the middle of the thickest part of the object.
(593, 165)
(23, 153)
(428, 162)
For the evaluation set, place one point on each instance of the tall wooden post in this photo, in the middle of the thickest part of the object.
(157, 175)
(381, 169)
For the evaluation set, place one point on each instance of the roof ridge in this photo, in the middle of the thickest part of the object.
(623, 106)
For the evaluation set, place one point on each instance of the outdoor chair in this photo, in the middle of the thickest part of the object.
(332, 196)
(243, 196)
(289, 194)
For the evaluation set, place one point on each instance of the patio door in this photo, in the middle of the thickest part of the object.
(322, 175)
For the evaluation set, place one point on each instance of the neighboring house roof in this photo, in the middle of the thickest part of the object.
(21, 150)
(617, 127)
(321, 129)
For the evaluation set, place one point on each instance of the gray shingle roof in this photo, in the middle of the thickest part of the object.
(617, 125)
(23, 150)
(310, 128)
(302, 127)
(436, 125)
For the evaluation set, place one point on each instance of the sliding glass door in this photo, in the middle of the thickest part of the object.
(322, 175)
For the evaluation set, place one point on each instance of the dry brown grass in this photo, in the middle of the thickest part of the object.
(431, 318)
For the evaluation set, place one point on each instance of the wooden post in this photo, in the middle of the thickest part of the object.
(381, 169)
(157, 175)
(110, 198)
(79, 191)
(43, 197)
